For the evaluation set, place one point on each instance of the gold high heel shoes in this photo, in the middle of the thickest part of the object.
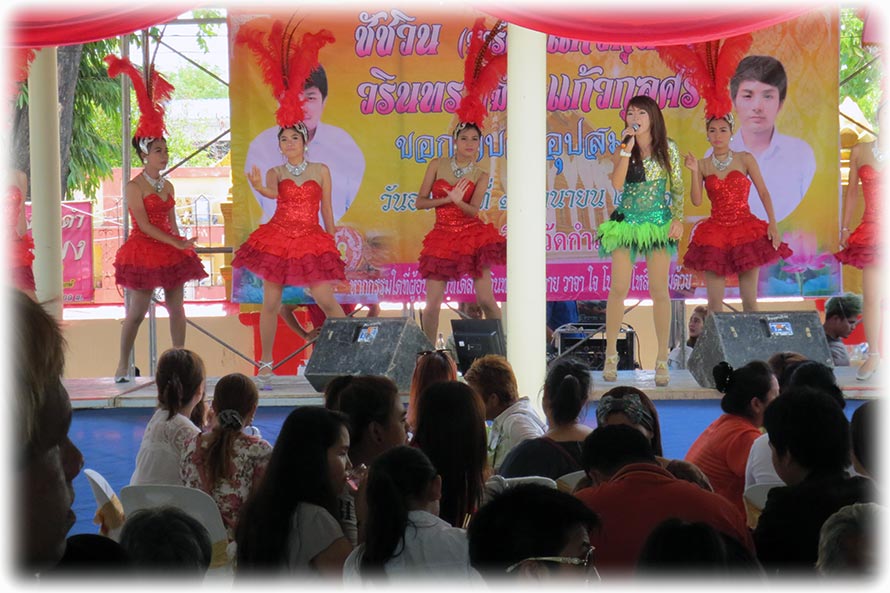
(610, 368)
(662, 375)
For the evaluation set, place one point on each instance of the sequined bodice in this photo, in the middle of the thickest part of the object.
(158, 212)
(450, 214)
(297, 204)
(871, 191)
(13, 205)
(729, 198)
(645, 201)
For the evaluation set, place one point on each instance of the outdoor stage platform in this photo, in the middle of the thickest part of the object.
(296, 390)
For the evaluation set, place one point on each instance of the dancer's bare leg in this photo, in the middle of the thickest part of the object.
(138, 307)
(435, 294)
(485, 295)
(622, 269)
(716, 287)
(658, 264)
(871, 316)
(173, 299)
(748, 289)
(269, 322)
(323, 293)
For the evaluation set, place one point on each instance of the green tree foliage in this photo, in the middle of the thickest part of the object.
(860, 70)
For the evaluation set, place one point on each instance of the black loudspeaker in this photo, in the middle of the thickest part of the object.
(739, 338)
(366, 346)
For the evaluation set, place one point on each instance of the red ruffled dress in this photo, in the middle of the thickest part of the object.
(292, 248)
(459, 245)
(20, 249)
(144, 263)
(731, 240)
(864, 245)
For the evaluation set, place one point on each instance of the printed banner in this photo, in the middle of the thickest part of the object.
(393, 81)
(77, 250)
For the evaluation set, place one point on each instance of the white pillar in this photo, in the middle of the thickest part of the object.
(526, 207)
(46, 190)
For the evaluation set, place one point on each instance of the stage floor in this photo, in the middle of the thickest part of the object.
(292, 390)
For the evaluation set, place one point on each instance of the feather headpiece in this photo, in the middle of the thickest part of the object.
(286, 63)
(709, 66)
(483, 73)
(151, 93)
(21, 63)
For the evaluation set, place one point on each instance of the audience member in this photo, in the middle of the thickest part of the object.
(293, 521)
(432, 366)
(635, 494)
(451, 432)
(224, 462)
(180, 381)
(694, 329)
(842, 313)
(628, 405)
(532, 532)
(678, 548)
(513, 419)
(782, 364)
(848, 541)
(863, 435)
(333, 389)
(166, 540)
(721, 451)
(558, 452)
(806, 373)
(810, 440)
(560, 313)
(404, 536)
(376, 417)
(45, 461)
(93, 555)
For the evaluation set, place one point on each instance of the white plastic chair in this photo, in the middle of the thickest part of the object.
(755, 499)
(196, 503)
(109, 510)
(497, 484)
(568, 482)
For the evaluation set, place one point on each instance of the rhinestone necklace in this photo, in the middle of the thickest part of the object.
(460, 172)
(878, 153)
(721, 165)
(296, 170)
(158, 183)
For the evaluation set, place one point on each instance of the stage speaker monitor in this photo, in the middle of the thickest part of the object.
(476, 337)
(739, 338)
(366, 346)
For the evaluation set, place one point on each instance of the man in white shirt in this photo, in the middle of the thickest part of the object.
(788, 164)
(513, 419)
(328, 144)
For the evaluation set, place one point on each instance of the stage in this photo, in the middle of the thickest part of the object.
(293, 390)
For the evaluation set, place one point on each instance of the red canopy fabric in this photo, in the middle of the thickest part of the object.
(43, 27)
(642, 26)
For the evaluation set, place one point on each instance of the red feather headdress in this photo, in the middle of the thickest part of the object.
(21, 63)
(483, 73)
(286, 63)
(709, 66)
(150, 95)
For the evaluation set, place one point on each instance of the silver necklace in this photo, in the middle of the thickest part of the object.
(296, 170)
(460, 172)
(158, 183)
(721, 165)
(879, 155)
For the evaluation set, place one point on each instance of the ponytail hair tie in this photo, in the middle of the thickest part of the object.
(230, 419)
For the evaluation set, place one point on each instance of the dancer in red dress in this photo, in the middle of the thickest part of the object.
(460, 244)
(731, 240)
(155, 254)
(22, 245)
(292, 248)
(863, 247)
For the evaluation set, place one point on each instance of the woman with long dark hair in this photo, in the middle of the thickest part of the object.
(292, 522)
(432, 366)
(558, 452)
(721, 451)
(224, 462)
(404, 535)
(451, 431)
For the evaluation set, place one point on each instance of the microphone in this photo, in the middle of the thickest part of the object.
(628, 137)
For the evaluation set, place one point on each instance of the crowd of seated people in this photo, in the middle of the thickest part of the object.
(299, 509)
